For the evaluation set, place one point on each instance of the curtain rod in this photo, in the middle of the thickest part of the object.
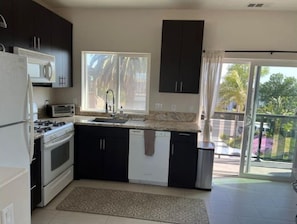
(253, 51)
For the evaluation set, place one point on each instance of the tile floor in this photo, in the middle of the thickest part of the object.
(232, 200)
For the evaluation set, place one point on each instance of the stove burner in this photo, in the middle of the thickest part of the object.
(42, 126)
(58, 124)
(42, 129)
(43, 123)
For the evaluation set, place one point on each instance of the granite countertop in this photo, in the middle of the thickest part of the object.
(137, 124)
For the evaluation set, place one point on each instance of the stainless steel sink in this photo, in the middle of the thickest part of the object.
(110, 120)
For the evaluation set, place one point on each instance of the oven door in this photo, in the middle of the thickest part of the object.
(57, 157)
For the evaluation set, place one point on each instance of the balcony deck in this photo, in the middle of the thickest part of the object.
(227, 159)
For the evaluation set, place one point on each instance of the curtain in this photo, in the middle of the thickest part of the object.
(209, 86)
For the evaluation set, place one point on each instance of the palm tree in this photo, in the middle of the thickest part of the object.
(106, 70)
(234, 89)
(101, 76)
(133, 82)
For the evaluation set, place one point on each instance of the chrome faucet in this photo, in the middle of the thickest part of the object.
(106, 104)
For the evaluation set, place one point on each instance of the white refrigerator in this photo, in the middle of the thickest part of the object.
(16, 133)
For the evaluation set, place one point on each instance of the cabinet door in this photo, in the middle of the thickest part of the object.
(101, 153)
(183, 160)
(35, 174)
(181, 56)
(170, 56)
(32, 26)
(89, 152)
(23, 15)
(6, 33)
(42, 28)
(191, 51)
(116, 155)
(62, 50)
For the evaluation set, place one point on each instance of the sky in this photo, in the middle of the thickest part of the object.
(286, 71)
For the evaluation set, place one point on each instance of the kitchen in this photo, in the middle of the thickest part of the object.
(114, 30)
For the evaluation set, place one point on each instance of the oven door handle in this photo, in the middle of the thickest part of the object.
(50, 145)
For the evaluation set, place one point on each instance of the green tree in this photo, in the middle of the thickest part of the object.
(233, 89)
(234, 86)
(278, 95)
(103, 70)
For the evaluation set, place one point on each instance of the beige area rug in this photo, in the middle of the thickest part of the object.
(154, 207)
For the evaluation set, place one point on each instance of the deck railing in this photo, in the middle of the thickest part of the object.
(276, 141)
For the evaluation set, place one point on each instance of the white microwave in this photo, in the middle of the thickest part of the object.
(40, 67)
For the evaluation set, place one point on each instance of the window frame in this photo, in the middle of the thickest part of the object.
(84, 87)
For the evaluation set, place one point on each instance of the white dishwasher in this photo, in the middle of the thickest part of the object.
(148, 169)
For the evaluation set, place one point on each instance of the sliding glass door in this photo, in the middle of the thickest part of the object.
(269, 140)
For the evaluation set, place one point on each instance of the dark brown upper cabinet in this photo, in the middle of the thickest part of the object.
(62, 50)
(181, 56)
(32, 26)
(6, 26)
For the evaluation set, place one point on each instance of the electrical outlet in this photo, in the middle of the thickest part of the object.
(158, 106)
(7, 216)
(173, 107)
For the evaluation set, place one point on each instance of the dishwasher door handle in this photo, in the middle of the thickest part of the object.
(172, 149)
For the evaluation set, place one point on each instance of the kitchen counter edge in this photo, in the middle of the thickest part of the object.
(136, 124)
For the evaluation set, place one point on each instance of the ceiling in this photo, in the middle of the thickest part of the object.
(274, 5)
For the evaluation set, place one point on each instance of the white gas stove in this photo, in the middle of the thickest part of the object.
(57, 156)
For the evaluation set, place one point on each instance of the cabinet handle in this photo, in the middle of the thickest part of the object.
(3, 23)
(2, 47)
(38, 43)
(181, 86)
(34, 186)
(172, 149)
(184, 134)
(175, 86)
(103, 144)
(34, 42)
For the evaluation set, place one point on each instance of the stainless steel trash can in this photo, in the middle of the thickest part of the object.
(205, 165)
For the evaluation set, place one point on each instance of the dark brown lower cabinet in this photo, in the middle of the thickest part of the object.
(101, 153)
(183, 160)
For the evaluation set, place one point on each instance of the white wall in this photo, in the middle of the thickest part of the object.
(140, 31)
(41, 94)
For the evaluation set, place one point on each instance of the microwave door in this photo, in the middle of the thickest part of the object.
(33, 70)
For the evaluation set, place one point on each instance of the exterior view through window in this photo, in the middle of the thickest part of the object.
(126, 74)
(255, 117)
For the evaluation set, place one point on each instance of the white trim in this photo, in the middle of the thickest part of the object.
(117, 97)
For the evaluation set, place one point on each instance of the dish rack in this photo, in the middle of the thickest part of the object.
(294, 184)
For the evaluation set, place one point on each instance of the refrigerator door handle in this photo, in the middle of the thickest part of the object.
(31, 121)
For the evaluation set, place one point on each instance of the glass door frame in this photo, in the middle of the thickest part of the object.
(250, 114)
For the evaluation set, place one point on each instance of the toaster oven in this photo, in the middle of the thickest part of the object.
(60, 110)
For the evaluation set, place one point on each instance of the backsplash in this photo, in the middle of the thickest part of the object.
(171, 116)
(153, 115)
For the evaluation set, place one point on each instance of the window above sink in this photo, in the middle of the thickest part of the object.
(127, 74)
